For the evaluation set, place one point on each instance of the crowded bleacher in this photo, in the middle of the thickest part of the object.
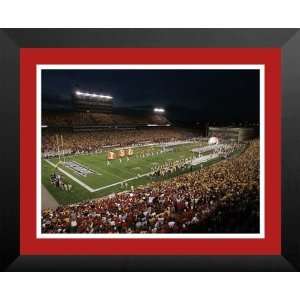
(85, 132)
(91, 141)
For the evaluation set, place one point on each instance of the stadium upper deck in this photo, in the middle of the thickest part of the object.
(73, 119)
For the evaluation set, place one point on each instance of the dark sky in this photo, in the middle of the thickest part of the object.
(195, 95)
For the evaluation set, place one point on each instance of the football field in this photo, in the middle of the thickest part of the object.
(91, 176)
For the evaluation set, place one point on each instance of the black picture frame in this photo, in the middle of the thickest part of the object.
(11, 40)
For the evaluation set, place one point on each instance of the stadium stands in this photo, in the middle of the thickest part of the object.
(70, 119)
(95, 140)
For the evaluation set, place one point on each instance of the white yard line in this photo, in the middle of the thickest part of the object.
(123, 170)
(71, 176)
(116, 183)
(90, 189)
(111, 174)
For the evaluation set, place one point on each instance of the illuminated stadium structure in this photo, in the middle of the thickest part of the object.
(84, 101)
(136, 169)
(238, 134)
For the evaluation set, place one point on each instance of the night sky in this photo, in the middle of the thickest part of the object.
(187, 95)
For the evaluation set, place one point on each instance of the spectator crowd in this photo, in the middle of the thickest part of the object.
(85, 142)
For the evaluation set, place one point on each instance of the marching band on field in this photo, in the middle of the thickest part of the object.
(170, 167)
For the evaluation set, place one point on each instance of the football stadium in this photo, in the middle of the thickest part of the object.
(132, 170)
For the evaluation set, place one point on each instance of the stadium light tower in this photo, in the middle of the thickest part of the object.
(93, 95)
(159, 110)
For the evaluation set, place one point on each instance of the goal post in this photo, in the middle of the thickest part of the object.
(57, 145)
(63, 149)
(60, 148)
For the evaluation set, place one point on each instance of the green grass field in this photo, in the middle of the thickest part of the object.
(106, 179)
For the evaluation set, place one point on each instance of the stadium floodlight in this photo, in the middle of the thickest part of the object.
(159, 110)
(93, 95)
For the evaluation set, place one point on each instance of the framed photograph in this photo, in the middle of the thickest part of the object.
(151, 149)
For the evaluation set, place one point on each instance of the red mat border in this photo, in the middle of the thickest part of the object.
(270, 57)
